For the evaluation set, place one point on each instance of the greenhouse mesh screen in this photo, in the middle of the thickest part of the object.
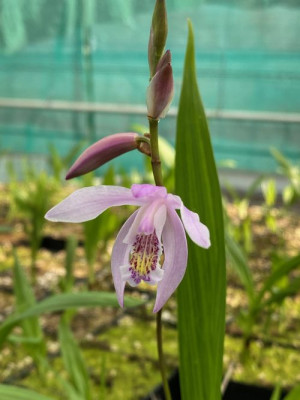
(96, 51)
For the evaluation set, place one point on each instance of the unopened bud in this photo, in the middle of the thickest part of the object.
(158, 35)
(103, 151)
(161, 89)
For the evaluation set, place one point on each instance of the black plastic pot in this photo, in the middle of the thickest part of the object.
(234, 391)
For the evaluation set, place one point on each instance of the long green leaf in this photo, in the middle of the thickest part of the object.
(201, 295)
(8, 392)
(62, 302)
(294, 394)
(278, 296)
(240, 264)
(282, 270)
(276, 395)
(32, 330)
(73, 361)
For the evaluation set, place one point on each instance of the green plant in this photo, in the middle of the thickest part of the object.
(242, 230)
(73, 362)
(29, 201)
(276, 287)
(291, 192)
(32, 337)
(270, 195)
(67, 281)
(59, 164)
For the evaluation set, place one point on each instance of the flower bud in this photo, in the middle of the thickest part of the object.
(161, 89)
(103, 151)
(158, 35)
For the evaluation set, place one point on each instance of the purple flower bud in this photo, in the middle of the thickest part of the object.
(166, 59)
(103, 151)
(158, 35)
(161, 89)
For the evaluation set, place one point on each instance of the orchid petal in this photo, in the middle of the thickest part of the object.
(133, 230)
(87, 203)
(175, 258)
(120, 257)
(197, 231)
(160, 220)
(147, 224)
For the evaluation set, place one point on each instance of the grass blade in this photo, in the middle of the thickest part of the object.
(65, 301)
(32, 331)
(240, 264)
(281, 270)
(73, 361)
(8, 392)
(201, 295)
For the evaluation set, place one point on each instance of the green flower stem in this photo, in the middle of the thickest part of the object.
(155, 160)
(161, 358)
(157, 173)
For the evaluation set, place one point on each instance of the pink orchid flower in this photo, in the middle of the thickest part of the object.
(151, 246)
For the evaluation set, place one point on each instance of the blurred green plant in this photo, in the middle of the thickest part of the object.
(29, 201)
(32, 337)
(67, 282)
(8, 392)
(60, 164)
(241, 231)
(74, 363)
(294, 393)
(261, 301)
(62, 302)
(291, 192)
(270, 195)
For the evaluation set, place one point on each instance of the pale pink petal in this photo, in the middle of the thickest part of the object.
(174, 201)
(197, 231)
(147, 224)
(87, 203)
(120, 258)
(133, 230)
(175, 258)
(160, 220)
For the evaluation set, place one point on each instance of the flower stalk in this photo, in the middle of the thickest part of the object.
(157, 174)
(155, 159)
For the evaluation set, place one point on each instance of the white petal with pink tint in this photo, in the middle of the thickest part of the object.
(175, 259)
(87, 203)
(197, 231)
(120, 258)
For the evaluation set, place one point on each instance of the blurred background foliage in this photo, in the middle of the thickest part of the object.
(96, 51)
(93, 51)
